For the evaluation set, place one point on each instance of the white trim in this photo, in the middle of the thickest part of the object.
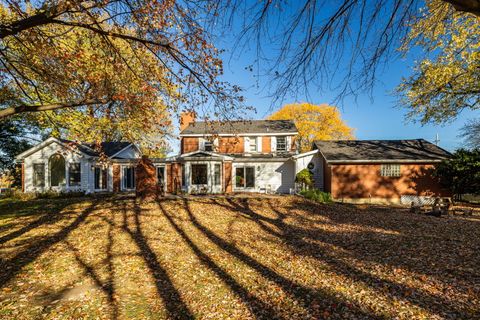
(238, 134)
(43, 144)
(130, 145)
(212, 154)
(305, 154)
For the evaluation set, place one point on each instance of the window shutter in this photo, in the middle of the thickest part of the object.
(259, 144)
(273, 145)
(201, 144)
(289, 142)
(246, 144)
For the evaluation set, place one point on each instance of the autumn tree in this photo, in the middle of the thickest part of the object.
(447, 81)
(314, 122)
(109, 69)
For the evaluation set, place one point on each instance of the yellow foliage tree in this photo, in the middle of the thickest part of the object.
(314, 122)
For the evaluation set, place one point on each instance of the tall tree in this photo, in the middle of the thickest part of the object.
(158, 35)
(14, 139)
(320, 45)
(447, 81)
(314, 122)
(471, 133)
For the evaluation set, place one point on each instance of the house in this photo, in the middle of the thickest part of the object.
(240, 156)
(64, 165)
(378, 170)
(215, 157)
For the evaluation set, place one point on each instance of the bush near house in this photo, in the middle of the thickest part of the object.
(305, 178)
(317, 195)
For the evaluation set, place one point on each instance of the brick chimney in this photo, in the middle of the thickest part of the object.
(186, 117)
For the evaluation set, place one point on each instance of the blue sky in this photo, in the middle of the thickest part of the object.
(376, 118)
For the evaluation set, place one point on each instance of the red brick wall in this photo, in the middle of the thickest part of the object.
(230, 145)
(364, 181)
(227, 176)
(189, 144)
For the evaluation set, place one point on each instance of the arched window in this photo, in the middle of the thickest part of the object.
(57, 170)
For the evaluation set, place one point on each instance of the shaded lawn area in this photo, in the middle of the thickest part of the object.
(279, 257)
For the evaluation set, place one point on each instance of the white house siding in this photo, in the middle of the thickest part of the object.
(276, 176)
(43, 155)
(302, 162)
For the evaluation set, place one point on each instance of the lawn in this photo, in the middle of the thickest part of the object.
(217, 258)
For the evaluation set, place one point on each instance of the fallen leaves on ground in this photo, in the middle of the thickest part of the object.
(240, 258)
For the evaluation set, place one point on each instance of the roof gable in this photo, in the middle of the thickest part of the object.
(380, 150)
(241, 127)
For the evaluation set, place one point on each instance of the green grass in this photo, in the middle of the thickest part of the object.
(278, 257)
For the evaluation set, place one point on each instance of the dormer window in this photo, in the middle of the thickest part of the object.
(281, 144)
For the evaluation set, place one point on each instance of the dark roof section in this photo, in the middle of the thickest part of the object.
(241, 127)
(380, 150)
(109, 148)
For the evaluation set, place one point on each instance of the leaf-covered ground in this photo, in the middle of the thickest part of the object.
(217, 258)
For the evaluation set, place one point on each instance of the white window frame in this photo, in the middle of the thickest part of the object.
(106, 182)
(164, 174)
(68, 174)
(208, 143)
(44, 174)
(244, 167)
(393, 170)
(250, 144)
(286, 144)
(123, 178)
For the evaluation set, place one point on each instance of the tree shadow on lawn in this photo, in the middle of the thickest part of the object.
(49, 212)
(299, 239)
(172, 300)
(305, 296)
(15, 264)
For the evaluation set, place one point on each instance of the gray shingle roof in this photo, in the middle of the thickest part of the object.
(109, 148)
(380, 150)
(241, 127)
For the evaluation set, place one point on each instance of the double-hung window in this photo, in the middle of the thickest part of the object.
(208, 145)
(390, 170)
(281, 144)
(74, 174)
(253, 144)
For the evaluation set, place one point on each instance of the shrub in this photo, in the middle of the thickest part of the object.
(305, 177)
(317, 195)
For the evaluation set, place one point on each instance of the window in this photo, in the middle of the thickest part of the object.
(74, 174)
(39, 175)
(100, 178)
(208, 146)
(253, 144)
(281, 144)
(57, 170)
(129, 178)
(216, 174)
(161, 176)
(245, 177)
(390, 170)
(199, 174)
